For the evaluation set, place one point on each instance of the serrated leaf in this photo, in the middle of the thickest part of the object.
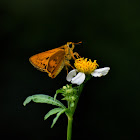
(41, 98)
(52, 112)
(57, 116)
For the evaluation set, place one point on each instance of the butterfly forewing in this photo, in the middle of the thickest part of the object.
(49, 61)
(40, 61)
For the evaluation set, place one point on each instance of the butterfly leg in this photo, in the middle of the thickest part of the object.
(75, 54)
(66, 69)
(68, 64)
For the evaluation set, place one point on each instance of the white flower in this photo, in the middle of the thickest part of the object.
(79, 78)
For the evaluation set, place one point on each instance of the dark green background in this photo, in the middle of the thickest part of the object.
(109, 107)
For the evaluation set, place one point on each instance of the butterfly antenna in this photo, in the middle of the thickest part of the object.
(79, 43)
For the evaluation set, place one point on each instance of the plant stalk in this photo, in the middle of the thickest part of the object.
(69, 128)
(70, 116)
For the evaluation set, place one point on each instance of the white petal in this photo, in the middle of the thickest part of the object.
(71, 74)
(96, 74)
(78, 79)
(100, 72)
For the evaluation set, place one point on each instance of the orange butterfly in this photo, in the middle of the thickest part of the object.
(53, 61)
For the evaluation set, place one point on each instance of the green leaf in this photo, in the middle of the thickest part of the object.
(28, 99)
(41, 98)
(51, 112)
(57, 116)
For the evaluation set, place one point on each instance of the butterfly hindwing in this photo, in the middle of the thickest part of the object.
(56, 63)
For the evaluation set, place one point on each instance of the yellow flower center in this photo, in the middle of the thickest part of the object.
(86, 66)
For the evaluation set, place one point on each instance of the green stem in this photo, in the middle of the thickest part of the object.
(70, 116)
(75, 104)
(69, 128)
(72, 110)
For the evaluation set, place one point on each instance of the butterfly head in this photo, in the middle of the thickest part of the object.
(71, 45)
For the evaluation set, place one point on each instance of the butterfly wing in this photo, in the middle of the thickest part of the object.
(49, 61)
(56, 63)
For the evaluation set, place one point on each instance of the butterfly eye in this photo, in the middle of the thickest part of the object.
(70, 45)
